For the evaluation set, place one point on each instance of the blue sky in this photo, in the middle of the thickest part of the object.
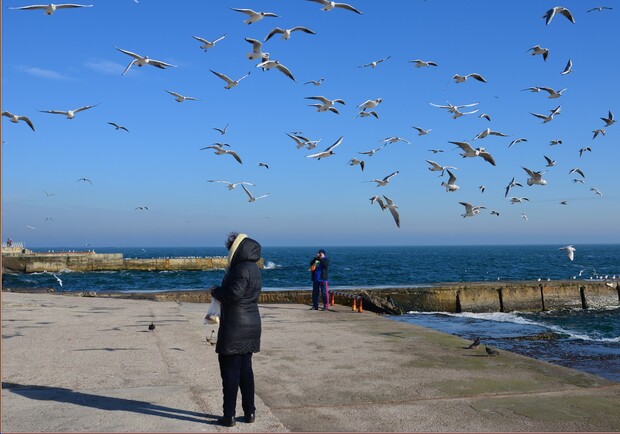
(68, 60)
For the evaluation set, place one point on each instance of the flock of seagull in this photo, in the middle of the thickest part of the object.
(367, 108)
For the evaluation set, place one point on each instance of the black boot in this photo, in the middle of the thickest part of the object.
(226, 421)
(249, 418)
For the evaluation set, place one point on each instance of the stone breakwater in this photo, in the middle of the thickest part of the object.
(90, 261)
(448, 297)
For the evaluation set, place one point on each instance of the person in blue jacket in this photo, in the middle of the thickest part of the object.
(319, 266)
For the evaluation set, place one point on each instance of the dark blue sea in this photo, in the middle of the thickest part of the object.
(588, 340)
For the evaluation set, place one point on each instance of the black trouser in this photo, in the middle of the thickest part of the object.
(236, 371)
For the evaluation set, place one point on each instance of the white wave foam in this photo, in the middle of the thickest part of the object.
(271, 265)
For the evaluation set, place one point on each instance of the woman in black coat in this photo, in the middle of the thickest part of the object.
(240, 325)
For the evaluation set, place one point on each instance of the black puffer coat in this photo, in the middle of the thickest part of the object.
(240, 325)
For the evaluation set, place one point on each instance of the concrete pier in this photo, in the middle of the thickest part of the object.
(84, 364)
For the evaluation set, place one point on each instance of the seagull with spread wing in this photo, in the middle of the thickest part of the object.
(70, 114)
(329, 5)
(254, 16)
(208, 44)
(16, 118)
(286, 33)
(327, 152)
(229, 83)
(383, 182)
(143, 60)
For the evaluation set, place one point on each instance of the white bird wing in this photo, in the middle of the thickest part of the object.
(203, 40)
(435, 165)
(129, 53)
(178, 95)
(347, 7)
(86, 107)
(222, 76)
(452, 179)
(160, 64)
(468, 207)
(337, 143)
(285, 71)
(303, 29)
(464, 146)
(55, 112)
(248, 12)
(248, 192)
(487, 157)
(273, 32)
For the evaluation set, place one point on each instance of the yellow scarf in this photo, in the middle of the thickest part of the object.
(233, 248)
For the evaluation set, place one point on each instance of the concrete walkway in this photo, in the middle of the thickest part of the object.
(80, 364)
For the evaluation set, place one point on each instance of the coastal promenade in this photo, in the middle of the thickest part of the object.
(89, 364)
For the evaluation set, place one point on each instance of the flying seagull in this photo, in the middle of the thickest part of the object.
(329, 5)
(229, 83)
(599, 9)
(70, 114)
(395, 139)
(558, 10)
(51, 8)
(470, 210)
(552, 93)
(286, 33)
(218, 150)
(143, 60)
(316, 82)
(535, 177)
(269, 64)
(437, 167)
(326, 104)
(462, 78)
(389, 204)
(254, 16)
(421, 63)
(253, 198)
(355, 161)
(260, 164)
(548, 118)
(231, 185)
(372, 151)
(450, 185)
(85, 180)
(374, 63)
(327, 152)
(514, 200)
(609, 120)
(364, 114)
(584, 149)
(421, 131)
(15, 119)
(208, 44)
(222, 131)
(371, 103)
(550, 162)
(568, 68)
(537, 49)
(577, 170)
(471, 152)
(517, 141)
(570, 251)
(257, 50)
(511, 184)
(485, 116)
(180, 98)
(487, 132)
(383, 182)
(117, 126)
(597, 132)
(596, 191)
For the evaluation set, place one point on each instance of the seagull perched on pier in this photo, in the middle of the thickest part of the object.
(383, 182)
(570, 251)
(329, 5)
(143, 60)
(229, 83)
(535, 177)
(254, 16)
(51, 8)
(558, 10)
(70, 114)
(462, 78)
(327, 152)
(180, 98)
(286, 33)
(451, 184)
(208, 44)
(15, 119)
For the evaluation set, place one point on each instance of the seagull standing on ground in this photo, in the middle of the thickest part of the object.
(143, 60)
(474, 344)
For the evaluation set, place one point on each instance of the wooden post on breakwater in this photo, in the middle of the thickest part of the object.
(542, 297)
(582, 293)
(500, 291)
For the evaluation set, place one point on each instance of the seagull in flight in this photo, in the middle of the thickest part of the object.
(537, 49)
(269, 64)
(372, 151)
(257, 50)
(421, 63)
(609, 120)
(364, 114)
(208, 44)
(568, 68)
(222, 131)
(435, 151)
(329, 5)
(371, 103)
(327, 104)
(570, 251)
(85, 180)
(51, 8)
(462, 78)
(70, 114)
(286, 33)
(535, 177)
(555, 142)
(558, 10)
(315, 82)
(253, 198)
(517, 141)
(229, 83)
(549, 118)
(395, 139)
(470, 210)
(218, 150)
(389, 204)
(30, 227)
(596, 191)
(514, 200)
(578, 171)
(327, 152)
(383, 182)
(486, 116)
(232, 185)
(15, 119)
(451, 184)
(265, 165)
(471, 152)
(511, 184)
(487, 132)
(552, 93)
(254, 16)
(550, 162)
(141, 208)
(599, 9)
(118, 127)
(421, 131)
(378, 200)
(597, 132)
(143, 60)
(374, 63)
(180, 98)
(437, 167)
(355, 161)
(49, 194)
(584, 149)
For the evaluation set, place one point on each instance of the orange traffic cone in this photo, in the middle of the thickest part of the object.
(354, 305)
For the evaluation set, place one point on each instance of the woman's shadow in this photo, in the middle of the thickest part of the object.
(60, 394)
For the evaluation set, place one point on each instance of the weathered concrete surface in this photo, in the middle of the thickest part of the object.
(85, 364)
(91, 261)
